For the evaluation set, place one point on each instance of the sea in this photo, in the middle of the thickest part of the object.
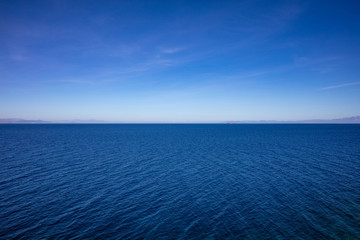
(180, 181)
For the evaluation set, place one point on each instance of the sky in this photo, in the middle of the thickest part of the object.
(179, 61)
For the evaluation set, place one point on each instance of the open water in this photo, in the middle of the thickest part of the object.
(191, 181)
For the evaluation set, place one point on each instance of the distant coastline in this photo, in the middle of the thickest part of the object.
(348, 120)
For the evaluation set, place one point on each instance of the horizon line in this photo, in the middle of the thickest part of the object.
(348, 120)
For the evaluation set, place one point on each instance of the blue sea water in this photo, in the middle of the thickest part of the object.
(191, 181)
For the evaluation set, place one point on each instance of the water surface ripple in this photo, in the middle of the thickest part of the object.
(190, 181)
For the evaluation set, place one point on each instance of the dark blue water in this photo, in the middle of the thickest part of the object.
(180, 181)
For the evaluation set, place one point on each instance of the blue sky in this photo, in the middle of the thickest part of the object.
(179, 61)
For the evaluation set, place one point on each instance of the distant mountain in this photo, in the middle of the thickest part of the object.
(18, 120)
(85, 121)
(354, 119)
(22, 121)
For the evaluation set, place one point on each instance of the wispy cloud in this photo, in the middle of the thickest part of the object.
(310, 61)
(113, 74)
(172, 50)
(18, 58)
(84, 80)
(341, 85)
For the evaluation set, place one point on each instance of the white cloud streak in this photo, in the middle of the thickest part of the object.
(341, 85)
(171, 50)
